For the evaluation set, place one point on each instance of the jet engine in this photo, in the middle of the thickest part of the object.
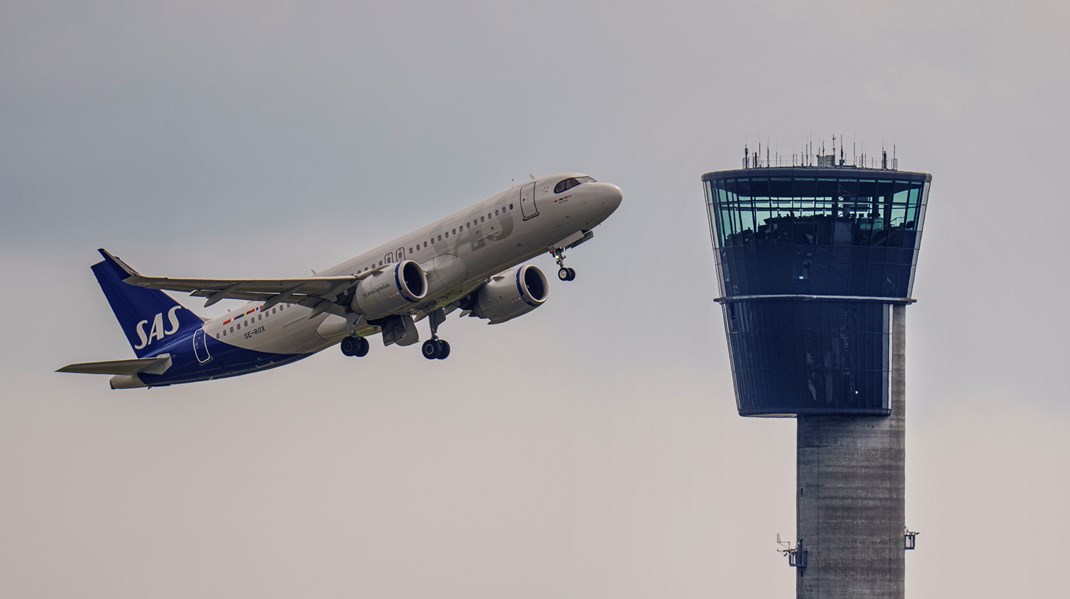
(389, 290)
(512, 293)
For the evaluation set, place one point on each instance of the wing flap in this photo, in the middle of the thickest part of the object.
(157, 365)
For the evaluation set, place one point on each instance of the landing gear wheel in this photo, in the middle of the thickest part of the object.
(355, 346)
(435, 349)
(564, 273)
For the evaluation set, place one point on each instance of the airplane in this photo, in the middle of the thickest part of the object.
(472, 261)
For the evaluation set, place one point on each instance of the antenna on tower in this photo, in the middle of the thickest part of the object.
(796, 555)
(910, 539)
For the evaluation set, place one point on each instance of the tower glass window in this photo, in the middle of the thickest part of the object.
(816, 231)
(810, 261)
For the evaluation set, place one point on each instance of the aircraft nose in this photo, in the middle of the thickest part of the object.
(610, 195)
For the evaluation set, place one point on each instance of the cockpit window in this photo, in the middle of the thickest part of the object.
(567, 184)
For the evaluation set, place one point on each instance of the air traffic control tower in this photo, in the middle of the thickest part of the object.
(815, 266)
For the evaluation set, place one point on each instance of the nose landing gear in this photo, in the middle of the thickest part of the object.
(564, 273)
(435, 348)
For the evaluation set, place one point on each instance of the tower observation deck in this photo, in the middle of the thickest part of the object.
(815, 266)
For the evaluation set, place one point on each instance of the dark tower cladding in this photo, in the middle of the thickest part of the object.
(815, 267)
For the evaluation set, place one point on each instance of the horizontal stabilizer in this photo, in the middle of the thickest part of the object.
(157, 365)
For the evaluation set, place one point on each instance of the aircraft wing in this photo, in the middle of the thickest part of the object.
(157, 365)
(318, 293)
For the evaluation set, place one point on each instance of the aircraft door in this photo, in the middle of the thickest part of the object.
(200, 347)
(527, 201)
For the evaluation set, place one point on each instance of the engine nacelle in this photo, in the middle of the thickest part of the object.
(390, 290)
(512, 293)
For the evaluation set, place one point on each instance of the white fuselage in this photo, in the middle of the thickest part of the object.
(458, 253)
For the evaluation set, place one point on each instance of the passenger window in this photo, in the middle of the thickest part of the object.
(380, 263)
(231, 329)
(510, 206)
(447, 234)
(432, 241)
(440, 238)
(481, 219)
(410, 249)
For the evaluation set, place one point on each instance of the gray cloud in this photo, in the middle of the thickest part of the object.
(589, 449)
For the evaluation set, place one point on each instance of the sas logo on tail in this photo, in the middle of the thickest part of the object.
(157, 332)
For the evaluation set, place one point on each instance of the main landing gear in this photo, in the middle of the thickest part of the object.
(355, 346)
(435, 348)
(564, 273)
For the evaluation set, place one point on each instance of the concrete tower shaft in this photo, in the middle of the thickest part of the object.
(850, 500)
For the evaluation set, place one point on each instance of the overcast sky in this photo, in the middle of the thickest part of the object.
(589, 449)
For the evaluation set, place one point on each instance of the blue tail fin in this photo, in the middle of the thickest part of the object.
(147, 316)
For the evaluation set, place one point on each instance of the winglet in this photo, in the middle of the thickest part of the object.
(130, 272)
